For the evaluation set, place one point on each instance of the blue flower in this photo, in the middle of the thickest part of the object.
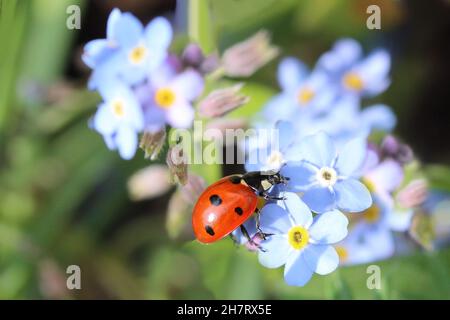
(96, 51)
(130, 50)
(119, 118)
(362, 77)
(169, 97)
(302, 92)
(365, 244)
(267, 152)
(327, 180)
(298, 241)
(346, 120)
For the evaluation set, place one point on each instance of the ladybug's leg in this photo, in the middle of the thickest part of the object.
(249, 239)
(258, 224)
(269, 197)
(234, 239)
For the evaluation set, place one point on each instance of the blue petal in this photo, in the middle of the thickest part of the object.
(400, 220)
(345, 52)
(128, 31)
(254, 160)
(352, 156)
(374, 72)
(275, 251)
(297, 208)
(318, 149)
(291, 72)
(95, 52)
(323, 259)
(111, 25)
(329, 227)
(180, 115)
(285, 134)
(274, 219)
(296, 271)
(127, 142)
(319, 199)
(104, 120)
(301, 175)
(158, 34)
(133, 74)
(379, 117)
(352, 195)
(280, 107)
(105, 70)
(188, 84)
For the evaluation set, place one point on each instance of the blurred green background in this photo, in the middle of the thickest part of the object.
(64, 197)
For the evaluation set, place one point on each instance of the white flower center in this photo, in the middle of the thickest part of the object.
(326, 176)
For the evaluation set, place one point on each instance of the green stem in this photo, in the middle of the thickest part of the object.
(199, 24)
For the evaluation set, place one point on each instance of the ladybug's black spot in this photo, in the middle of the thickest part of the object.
(215, 200)
(209, 230)
(238, 210)
(235, 179)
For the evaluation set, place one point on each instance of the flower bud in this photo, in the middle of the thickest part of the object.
(392, 147)
(177, 162)
(193, 55)
(221, 101)
(414, 194)
(245, 58)
(141, 185)
(152, 143)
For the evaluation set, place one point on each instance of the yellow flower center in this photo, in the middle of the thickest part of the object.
(118, 108)
(305, 95)
(342, 253)
(326, 176)
(137, 54)
(353, 81)
(298, 237)
(164, 97)
(369, 185)
(372, 214)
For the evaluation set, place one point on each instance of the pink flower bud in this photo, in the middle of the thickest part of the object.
(220, 102)
(245, 58)
(142, 186)
(413, 194)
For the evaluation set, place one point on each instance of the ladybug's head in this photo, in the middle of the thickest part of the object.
(263, 180)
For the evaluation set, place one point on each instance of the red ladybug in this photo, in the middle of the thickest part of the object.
(228, 203)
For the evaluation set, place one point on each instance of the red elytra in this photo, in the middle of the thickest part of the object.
(227, 204)
(221, 208)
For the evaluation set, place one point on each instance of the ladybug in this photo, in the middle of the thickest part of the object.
(226, 204)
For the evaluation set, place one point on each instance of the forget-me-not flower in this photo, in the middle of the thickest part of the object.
(303, 92)
(298, 241)
(269, 152)
(119, 118)
(326, 179)
(130, 51)
(170, 96)
(358, 76)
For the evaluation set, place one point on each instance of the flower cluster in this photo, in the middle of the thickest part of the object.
(143, 86)
(338, 179)
(345, 191)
